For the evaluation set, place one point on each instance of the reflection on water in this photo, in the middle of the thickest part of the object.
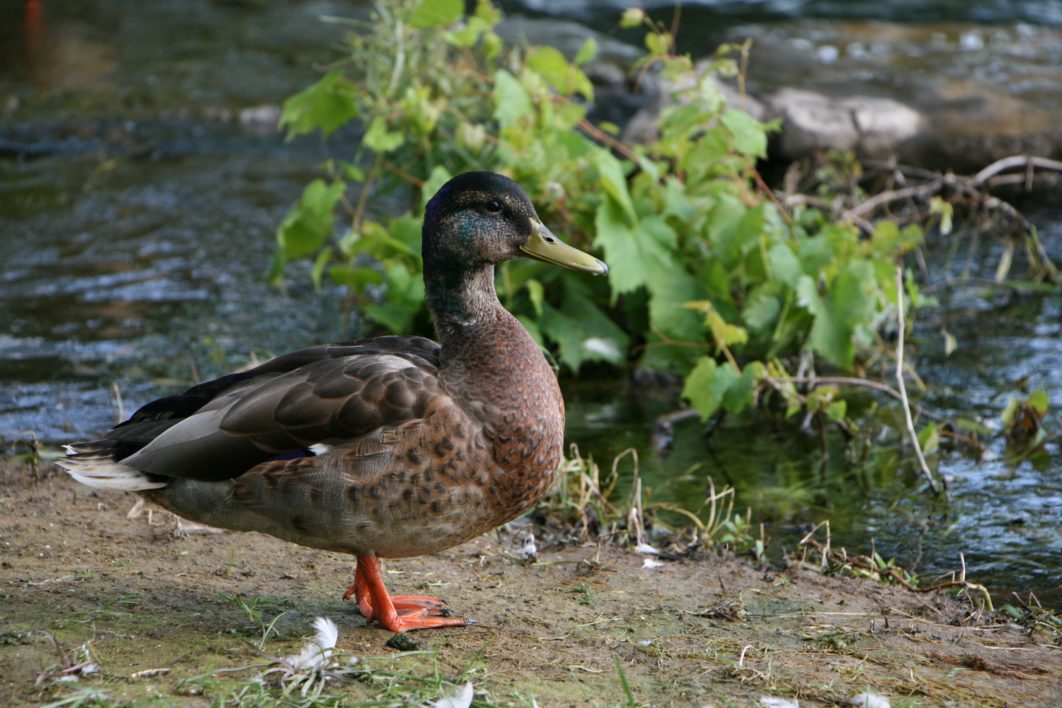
(136, 221)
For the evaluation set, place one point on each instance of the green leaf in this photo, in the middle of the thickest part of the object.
(310, 224)
(658, 43)
(403, 299)
(436, 13)
(749, 138)
(667, 312)
(492, 45)
(945, 211)
(379, 138)
(762, 307)
(837, 410)
(586, 52)
(404, 233)
(848, 304)
(1013, 612)
(352, 172)
(419, 111)
(819, 252)
(723, 332)
(723, 222)
(889, 241)
(1039, 401)
(1010, 412)
(486, 11)
(632, 17)
(275, 272)
(610, 176)
(469, 34)
(929, 439)
(581, 330)
(636, 255)
(438, 177)
(972, 426)
(322, 260)
(565, 78)
(741, 393)
(357, 278)
(785, 266)
(676, 202)
(325, 105)
(537, 294)
(511, 101)
(707, 385)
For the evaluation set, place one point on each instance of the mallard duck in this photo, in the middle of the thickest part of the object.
(389, 447)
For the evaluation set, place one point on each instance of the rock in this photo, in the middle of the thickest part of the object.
(812, 122)
(943, 96)
(260, 119)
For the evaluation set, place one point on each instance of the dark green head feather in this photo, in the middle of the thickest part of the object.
(475, 219)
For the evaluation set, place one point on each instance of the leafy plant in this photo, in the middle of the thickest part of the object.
(1023, 420)
(710, 276)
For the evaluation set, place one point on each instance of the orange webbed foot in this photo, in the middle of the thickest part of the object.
(406, 623)
(424, 604)
(398, 613)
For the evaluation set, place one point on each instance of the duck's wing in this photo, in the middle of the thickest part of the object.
(330, 395)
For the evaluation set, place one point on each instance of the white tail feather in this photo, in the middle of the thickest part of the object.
(100, 472)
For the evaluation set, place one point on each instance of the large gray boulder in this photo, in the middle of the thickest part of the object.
(870, 126)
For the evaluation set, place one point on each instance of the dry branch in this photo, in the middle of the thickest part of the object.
(934, 483)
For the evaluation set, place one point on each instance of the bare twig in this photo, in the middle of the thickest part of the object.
(1029, 162)
(605, 139)
(934, 484)
(859, 383)
(971, 189)
(921, 191)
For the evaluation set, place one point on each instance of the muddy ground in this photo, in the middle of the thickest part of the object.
(583, 625)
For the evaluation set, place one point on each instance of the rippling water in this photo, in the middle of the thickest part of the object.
(140, 185)
(707, 14)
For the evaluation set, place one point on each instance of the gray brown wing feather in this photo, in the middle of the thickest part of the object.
(332, 400)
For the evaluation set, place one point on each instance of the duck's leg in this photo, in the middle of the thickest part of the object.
(400, 613)
(359, 590)
(403, 604)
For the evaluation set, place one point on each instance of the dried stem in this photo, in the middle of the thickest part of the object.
(934, 484)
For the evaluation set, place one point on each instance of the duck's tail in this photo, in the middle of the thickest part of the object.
(93, 465)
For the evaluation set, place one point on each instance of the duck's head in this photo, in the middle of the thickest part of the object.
(479, 219)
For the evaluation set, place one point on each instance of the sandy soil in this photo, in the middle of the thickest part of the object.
(570, 629)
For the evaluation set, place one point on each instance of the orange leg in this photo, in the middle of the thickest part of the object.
(403, 604)
(400, 613)
(360, 590)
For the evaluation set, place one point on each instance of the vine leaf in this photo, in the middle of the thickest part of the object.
(326, 104)
(847, 304)
(638, 253)
(436, 13)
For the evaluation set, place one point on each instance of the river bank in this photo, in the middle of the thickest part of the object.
(591, 623)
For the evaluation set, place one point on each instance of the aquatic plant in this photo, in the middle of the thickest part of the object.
(747, 296)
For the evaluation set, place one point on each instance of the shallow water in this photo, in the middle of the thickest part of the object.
(140, 185)
(700, 16)
(1003, 513)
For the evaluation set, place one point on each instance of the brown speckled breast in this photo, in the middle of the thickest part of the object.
(485, 449)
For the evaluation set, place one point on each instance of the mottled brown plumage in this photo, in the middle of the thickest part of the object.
(425, 445)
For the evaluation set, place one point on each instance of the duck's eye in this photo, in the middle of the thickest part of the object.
(494, 206)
